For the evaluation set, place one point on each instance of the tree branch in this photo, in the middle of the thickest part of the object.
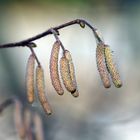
(25, 42)
(6, 104)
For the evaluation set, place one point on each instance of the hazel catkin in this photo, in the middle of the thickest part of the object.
(100, 59)
(27, 119)
(30, 78)
(65, 74)
(20, 128)
(54, 68)
(40, 84)
(112, 68)
(72, 72)
(39, 131)
(28, 123)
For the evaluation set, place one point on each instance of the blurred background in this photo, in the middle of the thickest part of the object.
(98, 113)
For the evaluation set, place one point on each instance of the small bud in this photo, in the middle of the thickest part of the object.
(82, 24)
(32, 45)
(112, 68)
(30, 78)
(100, 59)
(65, 74)
(54, 69)
(40, 84)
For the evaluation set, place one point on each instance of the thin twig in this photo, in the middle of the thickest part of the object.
(6, 103)
(32, 50)
(57, 39)
(24, 43)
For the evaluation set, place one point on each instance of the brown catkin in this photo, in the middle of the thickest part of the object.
(27, 119)
(112, 68)
(100, 59)
(54, 68)
(39, 131)
(40, 84)
(30, 78)
(20, 128)
(65, 74)
(28, 123)
(72, 72)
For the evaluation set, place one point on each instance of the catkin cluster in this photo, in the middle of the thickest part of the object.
(66, 70)
(24, 118)
(63, 70)
(67, 73)
(40, 84)
(106, 66)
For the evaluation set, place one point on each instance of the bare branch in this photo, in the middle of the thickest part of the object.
(25, 42)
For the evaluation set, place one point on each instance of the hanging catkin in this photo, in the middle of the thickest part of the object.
(54, 68)
(100, 59)
(39, 131)
(65, 74)
(112, 68)
(28, 123)
(20, 128)
(30, 78)
(40, 84)
(72, 72)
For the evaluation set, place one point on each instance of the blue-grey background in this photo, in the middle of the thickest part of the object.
(98, 113)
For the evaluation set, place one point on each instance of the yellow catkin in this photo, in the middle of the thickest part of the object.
(112, 68)
(100, 59)
(54, 68)
(30, 78)
(65, 74)
(72, 72)
(20, 128)
(39, 131)
(40, 84)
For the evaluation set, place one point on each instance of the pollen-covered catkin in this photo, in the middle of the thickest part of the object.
(28, 123)
(72, 72)
(65, 74)
(27, 119)
(39, 131)
(100, 59)
(40, 84)
(30, 78)
(20, 128)
(54, 68)
(112, 68)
